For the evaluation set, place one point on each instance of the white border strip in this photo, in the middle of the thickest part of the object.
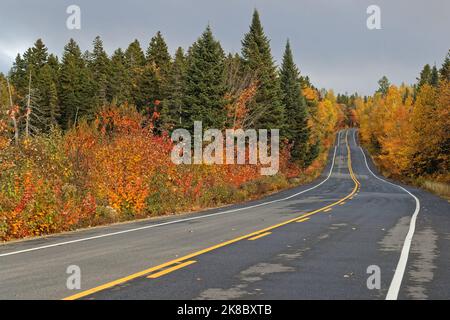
(172, 222)
(396, 282)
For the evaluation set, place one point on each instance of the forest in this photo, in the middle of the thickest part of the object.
(407, 128)
(85, 138)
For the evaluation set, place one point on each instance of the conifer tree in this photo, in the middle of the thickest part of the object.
(99, 66)
(158, 54)
(425, 76)
(384, 85)
(118, 82)
(172, 110)
(267, 108)
(444, 72)
(295, 104)
(75, 87)
(204, 94)
(135, 63)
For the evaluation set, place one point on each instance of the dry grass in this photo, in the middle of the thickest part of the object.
(440, 188)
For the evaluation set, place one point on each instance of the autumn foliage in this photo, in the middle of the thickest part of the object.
(409, 135)
(117, 168)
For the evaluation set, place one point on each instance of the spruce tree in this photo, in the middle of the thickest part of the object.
(148, 88)
(434, 79)
(267, 109)
(444, 72)
(75, 87)
(204, 94)
(296, 125)
(159, 58)
(158, 53)
(118, 82)
(384, 85)
(99, 66)
(425, 76)
(135, 63)
(49, 110)
(172, 110)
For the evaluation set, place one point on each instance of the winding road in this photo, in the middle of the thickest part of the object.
(350, 235)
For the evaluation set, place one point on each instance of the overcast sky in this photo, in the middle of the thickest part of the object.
(330, 39)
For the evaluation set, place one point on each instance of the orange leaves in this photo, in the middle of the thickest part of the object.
(237, 110)
(408, 136)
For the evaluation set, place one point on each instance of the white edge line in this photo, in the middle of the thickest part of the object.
(396, 282)
(171, 222)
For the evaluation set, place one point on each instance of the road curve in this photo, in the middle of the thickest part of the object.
(312, 242)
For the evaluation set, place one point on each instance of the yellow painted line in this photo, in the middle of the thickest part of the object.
(328, 210)
(303, 220)
(222, 244)
(169, 270)
(259, 236)
(342, 203)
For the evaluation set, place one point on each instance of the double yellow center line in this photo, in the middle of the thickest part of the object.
(170, 266)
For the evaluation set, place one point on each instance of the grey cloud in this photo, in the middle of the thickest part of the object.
(330, 39)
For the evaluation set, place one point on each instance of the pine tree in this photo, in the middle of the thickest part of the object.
(49, 110)
(118, 82)
(75, 87)
(172, 110)
(18, 76)
(135, 63)
(204, 94)
(444, 72)
(434, 80)
(148, 88)
(425, 76)
(384, 85)
(158, 54)
(99, 66)
(159, 58)
(267, 109)
(297, 127)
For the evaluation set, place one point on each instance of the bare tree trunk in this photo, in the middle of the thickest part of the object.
(28, 111)
(13, 114)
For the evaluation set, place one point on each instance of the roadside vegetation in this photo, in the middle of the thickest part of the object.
(407, 128)
(85, 139)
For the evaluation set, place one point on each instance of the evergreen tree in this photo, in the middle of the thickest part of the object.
(384, 85)
(172, 110)
(135, 63)
(425, 76)
(49, 110)
(75, 87)
(297, 127)
(148, 88)
(158, 54)
(204, 94)
(99, 66)
(118, 82)
(434, 80)
(444, 72)
(18, 76)
(159, 58)
(266, 109)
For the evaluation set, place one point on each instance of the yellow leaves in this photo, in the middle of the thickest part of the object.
(408, 135)
(310, 94)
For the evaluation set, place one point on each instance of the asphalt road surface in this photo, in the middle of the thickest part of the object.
(325, 240)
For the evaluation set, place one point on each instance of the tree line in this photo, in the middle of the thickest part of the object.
(203, 83)
(407, 127)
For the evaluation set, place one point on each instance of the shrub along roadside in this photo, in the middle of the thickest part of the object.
(115, 169)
